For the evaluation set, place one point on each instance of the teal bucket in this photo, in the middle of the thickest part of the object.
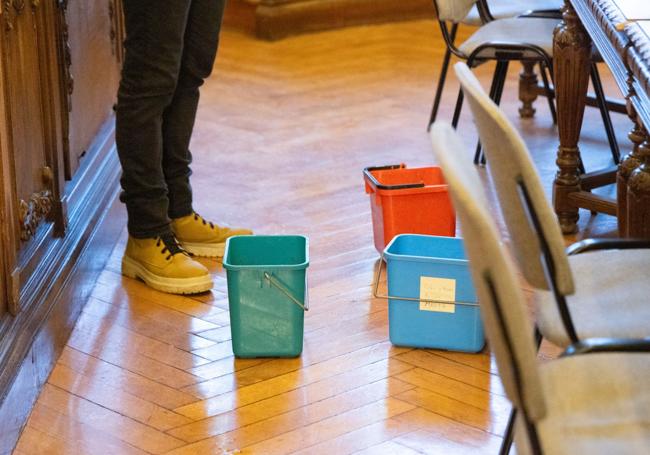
(267, 294)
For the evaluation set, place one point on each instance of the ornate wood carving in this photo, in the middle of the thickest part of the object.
(19, 6)
(6, 7)
(630, 161)
(117, 28)
(572, 58)
(113, 30)
(638, 195)
(68, 80)
(37, 208)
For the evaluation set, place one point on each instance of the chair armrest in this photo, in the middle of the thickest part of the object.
(606, 244)
(598, 345)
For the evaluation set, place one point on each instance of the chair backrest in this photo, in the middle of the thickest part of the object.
(453, 10)
(528, 214)
(503, 309)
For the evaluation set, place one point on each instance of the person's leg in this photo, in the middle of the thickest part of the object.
(199, 52)
(155, 31)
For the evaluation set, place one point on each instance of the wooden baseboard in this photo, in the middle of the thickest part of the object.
(60, 285)
(276, 19)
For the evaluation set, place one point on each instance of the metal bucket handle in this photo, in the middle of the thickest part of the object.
(376, 295)
(274, 282)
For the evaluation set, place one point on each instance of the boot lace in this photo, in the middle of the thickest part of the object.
(198, 217)
(170, 246)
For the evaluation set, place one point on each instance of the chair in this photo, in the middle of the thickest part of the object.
(595, 399)
(494, 41)
(602, 292)
(482, 13)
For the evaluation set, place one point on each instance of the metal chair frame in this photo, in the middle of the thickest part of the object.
(505, 53)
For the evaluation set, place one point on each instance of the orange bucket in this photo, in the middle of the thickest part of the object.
(408, 201)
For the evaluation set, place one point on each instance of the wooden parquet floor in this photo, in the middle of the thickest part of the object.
(283, 133)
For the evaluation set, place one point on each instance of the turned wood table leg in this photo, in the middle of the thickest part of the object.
(628, 164)
(638, 195)
(527, 89)
(572, 63)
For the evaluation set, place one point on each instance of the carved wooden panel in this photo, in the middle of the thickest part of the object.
(27, 111)
(93, 35)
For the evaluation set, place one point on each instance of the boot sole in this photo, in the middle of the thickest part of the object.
(205, 250)
(135, 270)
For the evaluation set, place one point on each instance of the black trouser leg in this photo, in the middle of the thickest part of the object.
(199, 52)
(153, 96)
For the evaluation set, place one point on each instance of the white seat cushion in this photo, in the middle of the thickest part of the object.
(538, 32)
(596, 404)
(612, 297)
(502, 9)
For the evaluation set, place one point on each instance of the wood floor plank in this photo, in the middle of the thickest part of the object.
(443, 427)
(35, 441)
(331, 427)
(432, 361)
(242, 414)
(74, 432)
(371, 436)
(134, 362)
(136, 322)
(90, 331)
(128, 430)
(456, 389)
(360, 402)
(115, 399)
(112, 291)
(115, 376)
(390, 448)
(289, 381)
(492, 422)
(139, 291)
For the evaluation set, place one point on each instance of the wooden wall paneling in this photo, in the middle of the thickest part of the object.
(26, 117)
(66, 86)
(7, 221)
(94, 68)
(46, 274)
(17, 401)
(53, 108)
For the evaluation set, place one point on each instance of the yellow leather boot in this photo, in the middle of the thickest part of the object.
(163, 265)
(203, 238)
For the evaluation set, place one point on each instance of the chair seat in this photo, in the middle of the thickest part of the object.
(612, 297)
(503, 9)
(515, 31)
(597, 404)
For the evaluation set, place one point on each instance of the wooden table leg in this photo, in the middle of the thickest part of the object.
(638, 195)
(628, 164)
(527, 89)
(571, 66)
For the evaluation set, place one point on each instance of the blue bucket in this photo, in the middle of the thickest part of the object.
(423, 268)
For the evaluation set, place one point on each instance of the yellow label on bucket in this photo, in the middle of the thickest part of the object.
(432, 288)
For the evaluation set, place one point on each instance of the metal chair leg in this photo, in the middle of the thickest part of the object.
(604, 113)
(508, 436)
(550, 96)
(441, 81)
(496, 90)
(458, 108)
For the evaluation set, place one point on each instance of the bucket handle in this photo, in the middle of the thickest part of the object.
(375, 292)
(273, 281)
(371, 178)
